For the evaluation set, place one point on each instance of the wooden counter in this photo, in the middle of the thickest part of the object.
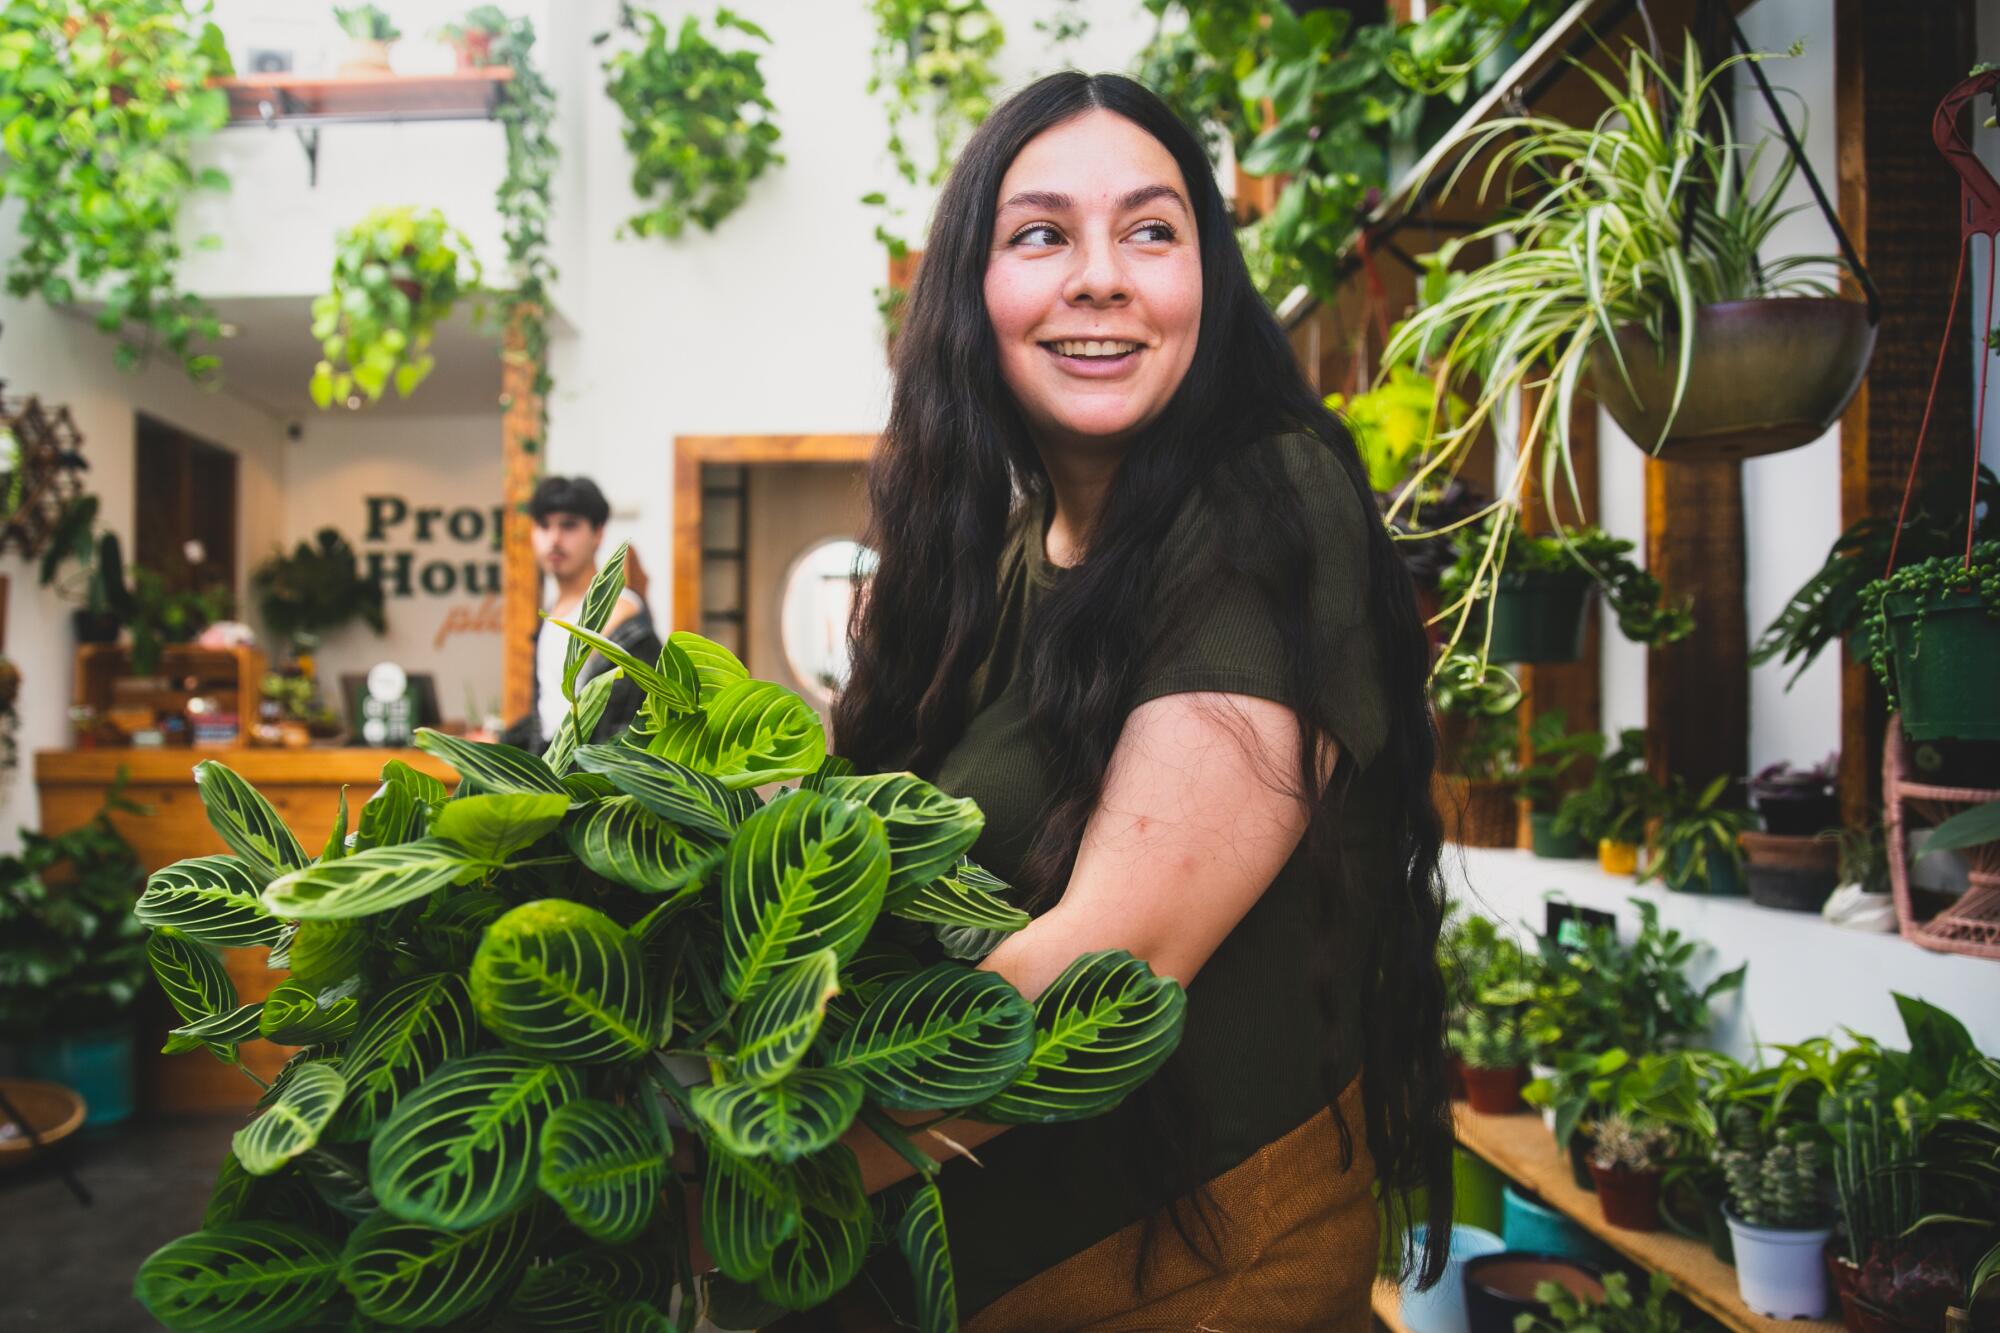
(303, 786)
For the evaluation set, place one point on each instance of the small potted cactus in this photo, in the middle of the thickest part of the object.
(1492, 1048)
(1627, 1158)
(1777, 1222)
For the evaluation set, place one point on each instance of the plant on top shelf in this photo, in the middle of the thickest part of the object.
(1611, 810)
(366, 23)
(536, 1010)
(128, 81)
(397, 274)
(1698, 847)
(698, 123)
(1933, 630)
(1648, 225)
(471, 38)
(1658, 1310)
(1553, 750)
(1830, 604)
(316, 588)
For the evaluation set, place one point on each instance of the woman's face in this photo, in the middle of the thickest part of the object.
(1093, 283)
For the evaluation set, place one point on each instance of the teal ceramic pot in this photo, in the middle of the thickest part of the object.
(97, 1064)
(1529, 1225)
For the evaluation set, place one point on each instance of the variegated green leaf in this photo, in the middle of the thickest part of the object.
(494, 827)
(969, 899)
(671, 680)
(816, 1260)
(920, 1236)
(945, 1038)
(246, 822)
(604, 1166)
(731, 1304)
(692, 802)
(777, 1027)
(564, 981)
(292, 1123)
(336, 838)
(405, 1034)
(580, 724)
(799, 1114)
(392, 816)
(213, 899)
(324, 952)
(747, 1208)
(412, 1275)
(191, 975)
(805, 873)
(461, 1147)
(491, 766)
(833, 766)
(753, 732)
(368, 882)
(715, 667)
(296, 1014)
(241, 1277)
(876, 966)
(424, 788)
(238, 1025)
(637, 1317)
(829, 1181)
(599, 600)
(454, 922)
(628, 844)
(928, 831)
(1101, 1029)
(581, 1290)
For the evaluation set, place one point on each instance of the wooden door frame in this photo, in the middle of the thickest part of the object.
(690, 452)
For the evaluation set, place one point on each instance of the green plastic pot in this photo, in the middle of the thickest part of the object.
(1725, 876)
(1945, 666)
(1547, 842)
(1538, 617)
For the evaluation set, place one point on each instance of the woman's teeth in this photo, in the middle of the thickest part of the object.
(1076, 347)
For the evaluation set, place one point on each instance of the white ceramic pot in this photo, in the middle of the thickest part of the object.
(1548, 1112)
(1442, 1308)
(365, 55)
(1781, 1272)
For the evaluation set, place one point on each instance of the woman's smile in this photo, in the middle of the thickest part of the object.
(1095, 358)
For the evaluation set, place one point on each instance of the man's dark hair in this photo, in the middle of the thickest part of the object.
(569, 495)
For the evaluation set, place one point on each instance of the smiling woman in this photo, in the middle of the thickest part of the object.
(1132, 598)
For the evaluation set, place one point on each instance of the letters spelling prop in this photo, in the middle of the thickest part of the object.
(390, 517)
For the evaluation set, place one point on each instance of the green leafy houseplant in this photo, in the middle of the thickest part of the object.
(1952, 604)
(1696, 849)
(72, 958)
(1394, 422)
(934, 64)
(1555, 749)
(366, 23)
(523, 199)
(163, 615)
(1619, 797)
(473, 36)
(1609, 995)
(397, 274)
(96, 583)
(1621, 1311)
(698, 123)
(533, 1006)
(316, 588)
(101, 108)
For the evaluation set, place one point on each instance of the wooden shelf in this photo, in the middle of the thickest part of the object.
(280, 99)
(1524, 1151)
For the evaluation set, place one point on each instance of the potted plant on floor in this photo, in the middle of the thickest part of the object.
(1553, 749)
(369, 35)
(1934, 632)
(1475, 797)
(1628, 1155)
(1777, 1223)
(1611, 810)
(73, 961)
(1698, 847)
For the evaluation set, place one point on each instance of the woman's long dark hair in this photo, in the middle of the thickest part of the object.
(940, 492)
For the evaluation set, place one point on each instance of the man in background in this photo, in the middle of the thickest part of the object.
(569, 515)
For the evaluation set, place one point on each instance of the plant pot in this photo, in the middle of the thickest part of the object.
(1545, 841)
(1945, 666)
(1617, 858)
(1789, 872)
(1857, 1312)
(1579, 1161)
(474, 50)
(1477, 812)
(1442, 1308)
(1800, 815)
(1529, 1225)
(1724, 880)
(97, 1063)
(364, 56)
(1495, 1091)
(1630, 1199)
(1538, 616)
(1766, 375)
(1779, 1270)
(1541, 1073)
(1500, 1288)
(54, 1111)
(94, 626)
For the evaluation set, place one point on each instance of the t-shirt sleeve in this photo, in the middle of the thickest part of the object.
(1218, 630)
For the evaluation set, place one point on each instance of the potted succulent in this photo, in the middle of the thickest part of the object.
(1489, 1034)
(316, 588)
(534, 1011)
(1554, 750)
(1934, 632)
(1777, 1223)
(1610, 811)
(1627, 1158)
(1698, 847)
(471, 38)
(397, 274)
(73, 961)
(1522, 599)
(369, 33)
(1475, 794)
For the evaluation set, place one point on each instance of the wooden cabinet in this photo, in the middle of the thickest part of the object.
(303, 786)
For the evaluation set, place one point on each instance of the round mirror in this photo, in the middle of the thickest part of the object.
(819, 593)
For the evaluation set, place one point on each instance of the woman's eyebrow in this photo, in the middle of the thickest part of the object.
(1054, 201)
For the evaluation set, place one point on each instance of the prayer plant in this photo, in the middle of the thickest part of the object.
(533, 1009)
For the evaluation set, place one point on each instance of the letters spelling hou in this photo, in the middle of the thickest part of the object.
(390, 518)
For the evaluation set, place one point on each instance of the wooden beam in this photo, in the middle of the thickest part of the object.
(521, 447)
(1698, 690)
(1899, 202)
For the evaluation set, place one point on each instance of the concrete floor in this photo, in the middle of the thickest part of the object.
(67, 1267)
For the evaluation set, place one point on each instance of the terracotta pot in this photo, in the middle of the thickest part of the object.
(1857, 1313)
(1630, 1199)
(1476, 812)
(1766, 375)
(474, 50)
(1495, 1091)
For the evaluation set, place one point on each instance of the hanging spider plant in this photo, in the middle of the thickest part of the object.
(1621, 234)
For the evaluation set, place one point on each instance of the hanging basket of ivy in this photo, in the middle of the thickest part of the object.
(397, 274)
(698, 122)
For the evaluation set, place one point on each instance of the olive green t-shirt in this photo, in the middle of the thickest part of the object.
(1248, 1069)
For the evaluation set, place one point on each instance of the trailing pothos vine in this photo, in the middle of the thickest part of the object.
(527, 112)
(101, 106)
